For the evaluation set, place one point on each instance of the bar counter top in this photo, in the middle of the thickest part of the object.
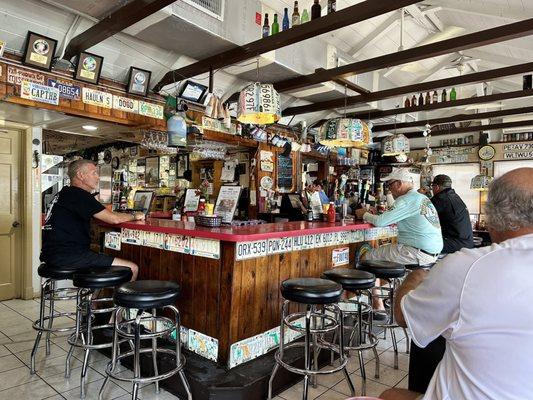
(243, 233)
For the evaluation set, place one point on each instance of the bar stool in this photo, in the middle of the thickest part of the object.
(392, 272)
(145, 295)
(311, 292)
(358, 282)
(88, 283)
(50, 294)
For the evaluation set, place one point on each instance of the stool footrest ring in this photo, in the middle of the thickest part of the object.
(302, 371)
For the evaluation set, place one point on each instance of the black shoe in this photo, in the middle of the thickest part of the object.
(380, 315)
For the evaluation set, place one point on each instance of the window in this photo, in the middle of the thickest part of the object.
(461, 175)
(502, 167)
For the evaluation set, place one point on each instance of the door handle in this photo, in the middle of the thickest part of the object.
(15, 224)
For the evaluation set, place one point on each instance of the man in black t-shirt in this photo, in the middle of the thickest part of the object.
(66, 241)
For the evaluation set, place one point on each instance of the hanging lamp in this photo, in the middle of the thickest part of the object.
(481, 181)
(395, 145)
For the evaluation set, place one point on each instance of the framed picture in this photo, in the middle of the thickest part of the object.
(39, 51)
(182, 165)
(138, 81)
(192, 198)
(227, 200)
(133, 151)
(151, 174)
(142, 200)
(89, 67)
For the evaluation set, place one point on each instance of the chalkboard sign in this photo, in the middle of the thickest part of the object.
(285, 173)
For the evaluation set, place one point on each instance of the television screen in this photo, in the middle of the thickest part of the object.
(176, 132)
(192, 91)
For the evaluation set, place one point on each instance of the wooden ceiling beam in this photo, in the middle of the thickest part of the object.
(453, 118)
(409, 89)
(372, 114)
(117, 21)
(477, 39)
(345, 17)
(349, 84)
(476, 128)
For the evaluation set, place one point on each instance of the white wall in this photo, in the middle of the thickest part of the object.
(37, 133)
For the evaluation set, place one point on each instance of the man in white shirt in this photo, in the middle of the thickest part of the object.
(479, 300)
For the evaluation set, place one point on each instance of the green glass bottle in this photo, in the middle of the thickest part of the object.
(305, 16)
(453, 94)
(275, 25)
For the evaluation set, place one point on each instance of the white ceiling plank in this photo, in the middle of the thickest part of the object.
(390, 23)
(440, 65)
(482, 8)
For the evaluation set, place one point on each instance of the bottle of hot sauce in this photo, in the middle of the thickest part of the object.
(331, 212)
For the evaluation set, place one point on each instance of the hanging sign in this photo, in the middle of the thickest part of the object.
(41, 93)
(66, 89)
(15, 76)
(151, 110)
(125, 104)
(97, 98)
(340, 256)
(112, 240)
(518, 151)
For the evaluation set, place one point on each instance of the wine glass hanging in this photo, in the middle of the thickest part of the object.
(157, 140)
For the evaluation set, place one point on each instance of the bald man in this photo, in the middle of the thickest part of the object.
(479, 300)
(66, 239)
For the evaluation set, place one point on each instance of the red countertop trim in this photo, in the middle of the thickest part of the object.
(242, 233)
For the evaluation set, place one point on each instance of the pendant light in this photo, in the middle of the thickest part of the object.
(481, 181)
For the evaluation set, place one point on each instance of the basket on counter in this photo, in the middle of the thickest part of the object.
(208, 220)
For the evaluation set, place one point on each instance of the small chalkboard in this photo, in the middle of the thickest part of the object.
(285, 173)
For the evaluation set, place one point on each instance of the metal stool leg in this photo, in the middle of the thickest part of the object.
(89, 341)
(51, 310)
(154, 351)
(44, 289)
(177, 326)
(307, 356)
(342, 352)
(137, 354)
(281, 343)
(77, 333)
(114, 353)
(407, 341)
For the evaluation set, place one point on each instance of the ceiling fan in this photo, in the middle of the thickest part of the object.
(460, 63)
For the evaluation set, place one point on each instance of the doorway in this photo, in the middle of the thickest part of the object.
(10, 213)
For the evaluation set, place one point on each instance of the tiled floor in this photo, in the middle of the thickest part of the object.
(16, 382)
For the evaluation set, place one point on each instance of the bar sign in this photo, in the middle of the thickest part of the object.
(340, 256)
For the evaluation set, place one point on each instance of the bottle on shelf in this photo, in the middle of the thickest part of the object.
(407, 103)
(176, 215)
(285, 24)
(453, 94)
(295, 15)
(305, 16)
(275, 25)
(332, 6)
(266, 27)
(444, 96)
(421, 99)
(428, 98)
(527, 82)
(435, 97)
(316, 10)
(414, 101)
(331, 212)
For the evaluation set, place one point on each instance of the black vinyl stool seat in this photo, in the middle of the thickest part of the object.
(383, 269)
(102, 277)
(311, 290)
(89, 304)
(351, 279)
(147, 294)
(318, 295)
(50, 294)
(143, 299)
(412, 267)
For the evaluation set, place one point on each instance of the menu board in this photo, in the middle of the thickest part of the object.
(285, 173)
(227, 200)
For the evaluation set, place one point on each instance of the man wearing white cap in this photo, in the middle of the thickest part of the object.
(419, 233)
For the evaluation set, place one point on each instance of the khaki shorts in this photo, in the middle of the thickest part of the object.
(400, 253)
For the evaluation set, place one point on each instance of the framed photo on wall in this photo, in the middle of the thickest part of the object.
(89, 67)
(138, 81)
(182, 165)
(39, 51)
(151, 174)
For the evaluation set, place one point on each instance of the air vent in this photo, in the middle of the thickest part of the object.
(214, 8)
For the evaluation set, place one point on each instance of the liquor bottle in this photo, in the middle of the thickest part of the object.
(407, 103)
(285, 23)
(305, 16)
(527, 82)
(275, 25)
(444, 96)
(295, 15)
(428, 98)
(332, 6)
(414, 102)
(453, 94)
(421, 99)
(316, 10)
(435, 97)
(266, 27)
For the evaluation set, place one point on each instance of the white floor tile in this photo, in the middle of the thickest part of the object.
(10, 362)
(403, 383)
(332, 395)
(388, 376)
(387, 358)
(36, 390)
(16, 377)
(92, 389)
(4, 351)
(62, 384)
(295, 392)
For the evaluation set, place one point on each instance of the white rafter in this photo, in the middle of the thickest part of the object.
(383, 28)
(482, 8)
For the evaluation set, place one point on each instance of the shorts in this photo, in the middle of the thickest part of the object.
(400, 253)
(82, 259)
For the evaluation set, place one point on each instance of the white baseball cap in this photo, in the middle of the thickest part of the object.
(399, 174)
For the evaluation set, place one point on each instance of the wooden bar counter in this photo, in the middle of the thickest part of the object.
(230, 276)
